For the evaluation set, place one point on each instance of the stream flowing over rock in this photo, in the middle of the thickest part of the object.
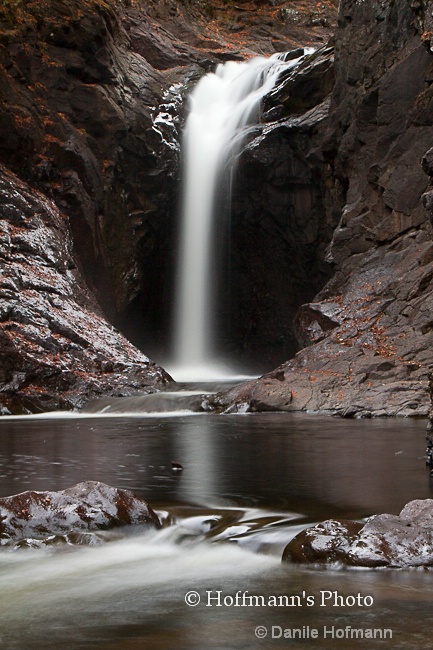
(396, 541)
(34, 518)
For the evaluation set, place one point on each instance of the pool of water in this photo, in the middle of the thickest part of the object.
(249, 483)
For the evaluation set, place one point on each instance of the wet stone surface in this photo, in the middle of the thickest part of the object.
(395, 541)
(56, 348)
(36, 518)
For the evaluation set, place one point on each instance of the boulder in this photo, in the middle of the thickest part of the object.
(83, 508)
(395, 541)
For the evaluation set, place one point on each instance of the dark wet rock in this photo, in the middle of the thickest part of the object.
(325, 542)
(91, 124)
(369, 329)
(241, 29)
(71, 514)
(306, 86)
(369, 346)
(278, 220)
(56, 348)
(90, 115)
(397, 541)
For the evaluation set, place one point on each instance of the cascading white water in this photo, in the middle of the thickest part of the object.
(222, 105)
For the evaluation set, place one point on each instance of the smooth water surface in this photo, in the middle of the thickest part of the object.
(249, 483)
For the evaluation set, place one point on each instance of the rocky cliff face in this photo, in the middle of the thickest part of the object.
(56, 348)
(77, 123)
(78, 107)
(335, 183)
(369, 330)
(91, 98)
(279, 222)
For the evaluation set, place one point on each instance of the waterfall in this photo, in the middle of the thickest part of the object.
(222, 105)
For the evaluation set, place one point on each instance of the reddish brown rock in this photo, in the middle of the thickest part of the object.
(56, 349)
(384, 540)
(85, 507)
(326, 542)
(367, 335)
(229, 29)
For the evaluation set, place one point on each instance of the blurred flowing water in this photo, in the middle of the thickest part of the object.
(222, 106)
(249, 483)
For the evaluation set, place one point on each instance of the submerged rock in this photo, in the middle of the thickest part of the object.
(72, 513)
(397, 541)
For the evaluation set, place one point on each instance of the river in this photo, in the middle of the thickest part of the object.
(249, 483)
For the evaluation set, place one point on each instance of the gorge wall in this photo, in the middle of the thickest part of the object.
(91, 95)
(332, 238)
(76, 128)
(368, 332)
(280, 225)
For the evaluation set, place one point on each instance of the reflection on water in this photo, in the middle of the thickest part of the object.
(249, 484)
(312, 464)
